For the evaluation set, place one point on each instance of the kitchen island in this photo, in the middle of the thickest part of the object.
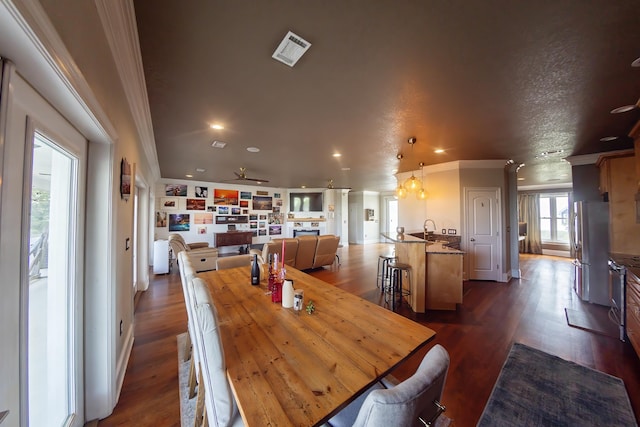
(436, 272)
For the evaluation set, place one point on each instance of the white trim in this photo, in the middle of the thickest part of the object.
(591, 159)
(119, 23)
(123, 360)
(44, 61)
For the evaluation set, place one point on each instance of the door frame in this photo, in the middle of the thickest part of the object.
(499, 276)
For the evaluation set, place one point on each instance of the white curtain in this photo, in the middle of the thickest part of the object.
(529, 212)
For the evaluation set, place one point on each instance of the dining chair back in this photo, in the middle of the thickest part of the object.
(220, 404)
(413, 402)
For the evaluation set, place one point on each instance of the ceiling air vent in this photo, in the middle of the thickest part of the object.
(291, 48)
(218, 144)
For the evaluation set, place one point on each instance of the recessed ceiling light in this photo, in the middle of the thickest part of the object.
(253, 149)
(337, 155)
(608, 138)
(438, 151)
(623, 109)
(217, 126)
(520, 179)
(636, 63)
(346, 169)
(303, 186)
(189, 175)
(218, 144)
(199, 170)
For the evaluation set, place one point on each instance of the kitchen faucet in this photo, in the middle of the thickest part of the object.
(426, 230)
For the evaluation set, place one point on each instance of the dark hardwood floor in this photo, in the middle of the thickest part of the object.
(478, 336)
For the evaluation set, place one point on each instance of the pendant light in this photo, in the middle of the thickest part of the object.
(422, 194)
(401, 193)
(412, 184)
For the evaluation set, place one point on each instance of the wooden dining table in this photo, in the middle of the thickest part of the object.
(289, 368)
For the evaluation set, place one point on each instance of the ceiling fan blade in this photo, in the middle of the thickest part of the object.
(255, 179)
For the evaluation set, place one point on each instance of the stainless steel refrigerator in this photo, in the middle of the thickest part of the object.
(591, 227)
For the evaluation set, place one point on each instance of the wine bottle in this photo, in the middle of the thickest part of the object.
(255, 271)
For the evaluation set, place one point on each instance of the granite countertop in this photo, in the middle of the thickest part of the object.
(431, 247)
(442, 248)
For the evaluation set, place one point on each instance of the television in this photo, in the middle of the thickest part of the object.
(306, 202)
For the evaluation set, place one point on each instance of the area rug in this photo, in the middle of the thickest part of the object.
(592, 321)
(187, 406)
(535, 388)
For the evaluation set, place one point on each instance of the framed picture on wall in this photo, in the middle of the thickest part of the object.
(201, 192)
(161, 219)
(195, 204)
(225, 197)
(179, 222)
(175, 190)
(168, 203)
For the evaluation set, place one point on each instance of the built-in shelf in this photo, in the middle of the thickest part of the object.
(306, 219)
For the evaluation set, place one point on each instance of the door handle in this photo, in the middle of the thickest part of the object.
(473, 240)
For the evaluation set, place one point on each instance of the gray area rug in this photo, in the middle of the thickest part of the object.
(187, 406)
(535, 388)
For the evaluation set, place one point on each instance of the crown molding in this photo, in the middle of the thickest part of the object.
(42, 58)
(119, 22)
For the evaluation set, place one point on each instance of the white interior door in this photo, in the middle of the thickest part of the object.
(483, 235)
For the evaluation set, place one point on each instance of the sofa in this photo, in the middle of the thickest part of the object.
(303, 252)
(202, 256)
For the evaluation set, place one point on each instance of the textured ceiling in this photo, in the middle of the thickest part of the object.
(497, 79)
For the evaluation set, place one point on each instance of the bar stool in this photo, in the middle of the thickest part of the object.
(397, 270)
(383, 270)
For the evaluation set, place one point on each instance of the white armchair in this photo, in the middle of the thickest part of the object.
(200, 254)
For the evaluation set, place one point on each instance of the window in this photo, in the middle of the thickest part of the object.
(554, 218)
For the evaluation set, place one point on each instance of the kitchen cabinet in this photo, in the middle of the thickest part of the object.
(618, 176)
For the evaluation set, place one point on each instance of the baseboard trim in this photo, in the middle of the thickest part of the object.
(123, 361)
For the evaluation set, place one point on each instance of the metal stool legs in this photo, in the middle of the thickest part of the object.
(383, 273)
(396, 288)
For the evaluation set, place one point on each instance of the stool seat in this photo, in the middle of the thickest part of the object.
(399, 265)
(397, 270)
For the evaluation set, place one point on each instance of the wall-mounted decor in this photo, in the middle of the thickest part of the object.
(245, 195)
(262, 232)
(175, 190)
(202, 192)
(262, 193)
(245, 211)
(125, 179)
(195, 204)
(262, 203)
(179, 222)
(276, 195)
(276, 218)
(225, 197)
(211, 208)
(253, 217)
(168, 203)
(369, 215)
(223, 210)
(253, 224)
(276, 209)
(232, 219)
(262, 216)
(235, 211)
(231, 227)
(203, 218)
(202, 230)
(161, 219)
(275, 230)
(278, 202)
(244, 203)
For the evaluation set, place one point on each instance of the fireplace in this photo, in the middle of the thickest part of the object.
(297, 233)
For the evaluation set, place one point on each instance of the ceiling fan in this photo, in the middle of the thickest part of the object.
(330, 186)
(242, 176)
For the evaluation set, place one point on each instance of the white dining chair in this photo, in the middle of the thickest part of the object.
(221, 409)
(413, 402)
